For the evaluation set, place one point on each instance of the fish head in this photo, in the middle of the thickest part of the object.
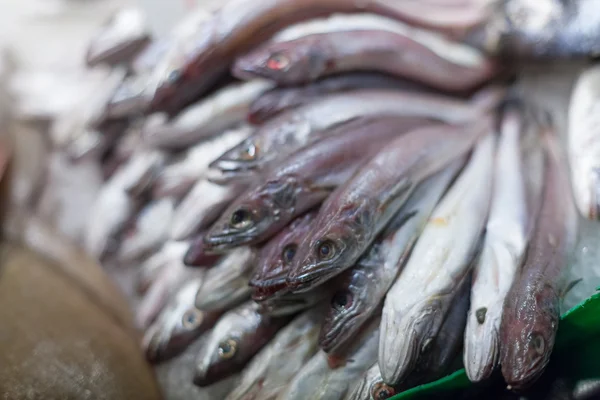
(243, 159)
(254, 216)
(528, 336)
(178, 325)
(335, 244)
(286, 62)
(345, 313)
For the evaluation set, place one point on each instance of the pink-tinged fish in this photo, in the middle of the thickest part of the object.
(303, 181)
(241, 24)
(400, 51)
(531, 311)
(292, 130)
(236, 338)
(352, 217)
(120, 39)
(360, 290)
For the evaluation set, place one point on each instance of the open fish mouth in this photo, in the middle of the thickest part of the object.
(217, 243)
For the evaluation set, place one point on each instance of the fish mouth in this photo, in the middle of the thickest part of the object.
(481, 354)
(226, 241)
(154, 345)
(245, 69)
(306, 281)
(339, 333)
(264, 290)
(197, 256)
(520, 380)
(220, 176)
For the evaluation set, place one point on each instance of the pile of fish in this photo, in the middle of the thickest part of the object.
(340, 196)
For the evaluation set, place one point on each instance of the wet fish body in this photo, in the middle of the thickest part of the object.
(361, 289)
(352, 217)
(320, 379)
(214, 114)
(150, 269)
(294, 129)
(129, 99)
(276, 364)
(512, 215)
(440, 261)
(303, 181)
(236, 338)
(531, 312)
(226, 284)
(584, 148)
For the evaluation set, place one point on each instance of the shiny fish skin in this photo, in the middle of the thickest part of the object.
(130, 98)
(119, 40)
(275, 365)
(178, 178)
(400, 51)
(240, 24)
(226, 284)
(276, 256)
(531, 312)
(440, 261)
(236, 338)
(507, 233)
(150, 230)
(280, 99)
(302, 181)
(361, 289)
(116, 202)
(584, 147)
(178, 325)
(168, 280)
(352, 217)
(153, 265)
(198, 255)
(200, 207)
(544, 29)
(292, 130)
(211, 115)
(318, 380)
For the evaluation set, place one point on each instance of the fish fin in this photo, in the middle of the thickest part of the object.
(401, 188)
(569, 286)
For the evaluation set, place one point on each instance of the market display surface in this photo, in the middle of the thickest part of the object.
(344, 199)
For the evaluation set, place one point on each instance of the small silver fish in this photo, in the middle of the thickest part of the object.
(584, 146)
(150, 230)
(222, 110)
(324, 378)
(440, 260)
(226, 284)
(178, 325)
(235, 339)
(271, 370)
(178, 178)
(200, 207)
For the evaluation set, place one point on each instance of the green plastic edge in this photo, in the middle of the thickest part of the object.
(578, 323)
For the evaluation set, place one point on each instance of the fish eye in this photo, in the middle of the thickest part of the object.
(381, 391)
(326, 250)
(228, 348)
(538, 343)
(288, 253)
(174, 75)
(192, 318)
(249, 153)
(241, 218)
(342, 300)
(278, 61)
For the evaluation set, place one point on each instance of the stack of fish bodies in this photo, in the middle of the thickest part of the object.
(361, 200)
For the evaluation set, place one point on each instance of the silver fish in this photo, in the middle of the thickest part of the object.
(292, 130)
(116, 202)
(130, 98)
(149, 231)
(353, 216)
(532, 307)
(150, 269)
(440, 260)
(200, 207)
(120, 39)
(235, 339)
(178, 178)
(512, 215)
(220, 111)
(275, 365)
(328, 379)
(584, 147)
(361, 290)
(171, 276)
(178, 325)
(226, 284)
